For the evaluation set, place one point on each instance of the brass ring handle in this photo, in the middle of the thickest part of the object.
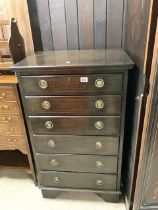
(99, 125)
(2, 95)
(57, 179)
(99, 164)
(43, 84)
(9, 130)
(7, 119)
(49, 125)
(12, 141)
(46, 105)
(99, 83)
(4, 107)
(99, 182)
(54, 162)
(51, 143)
(99, 145)
(99, 104)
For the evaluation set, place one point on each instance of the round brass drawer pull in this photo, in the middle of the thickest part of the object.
(6, 119)
(99, 182)
(99, 145)
(51, 143)
(4, 107)
(9, 130)
(99, 104)
(12, 141)
(54, 162)
(49, 125)
(57, 179)
(43, 84)
(46, 105)
(2, 95)
(99, 125)
(99, 83)
(99, 164)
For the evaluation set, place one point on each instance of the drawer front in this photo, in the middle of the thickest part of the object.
(7, 94)
(11, 142)
(99, 105)
(10, 130)
(76, 125)
(77, 180)
(72, 83)
(80, 163)
(9, 107)
(99, 145)
(10, 119)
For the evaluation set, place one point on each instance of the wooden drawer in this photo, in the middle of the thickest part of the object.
(10, 119)
(99, 145)
(9, 107)
(7, 93)
(11, 142)
(80, 163)
(77, 180)
(69, 84)
(98, 105)
(76, 125)
(12, 128)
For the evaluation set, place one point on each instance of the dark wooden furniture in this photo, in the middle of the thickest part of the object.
(146, 192)
(74, 105)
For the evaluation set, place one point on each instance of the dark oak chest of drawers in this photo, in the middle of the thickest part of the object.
(74, 104)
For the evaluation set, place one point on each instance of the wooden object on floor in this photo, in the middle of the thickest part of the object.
(78, 97)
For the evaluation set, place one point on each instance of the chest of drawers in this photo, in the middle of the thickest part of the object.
(74, 105)
(12, 130)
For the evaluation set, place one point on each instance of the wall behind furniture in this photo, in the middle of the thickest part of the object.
(18, 10)
(77, 24)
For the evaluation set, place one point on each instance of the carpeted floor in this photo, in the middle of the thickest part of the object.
(17, 192)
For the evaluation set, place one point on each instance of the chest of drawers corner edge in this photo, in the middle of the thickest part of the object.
(74, 106)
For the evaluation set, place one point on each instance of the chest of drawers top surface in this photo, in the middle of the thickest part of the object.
(109, 58)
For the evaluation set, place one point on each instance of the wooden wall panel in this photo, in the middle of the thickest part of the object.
(78, 24)
(114, 23)
(85, 22)
(45, 24)
(100, 24)
(72, 24)
(58, 23)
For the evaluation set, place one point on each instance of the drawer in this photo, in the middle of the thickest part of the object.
(98, 105)
(10, 130)
(69, 84)
(10, 119)
(9, 107)
(77, 180)
(80, 163)
(99, 145)
(7, 93)
(11, 142)
(76, 125)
